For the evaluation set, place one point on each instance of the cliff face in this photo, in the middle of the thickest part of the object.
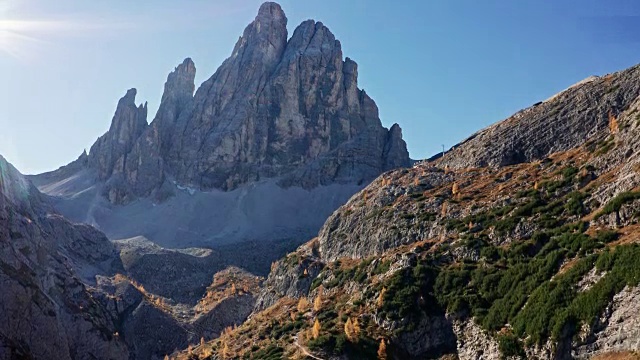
(46, 310)
(277, 108)
(477, 255)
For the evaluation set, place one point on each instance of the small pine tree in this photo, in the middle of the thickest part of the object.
(206, 353)
(303, 304)
(443, 211)
(356, 328)
(228, 330)
(380, 300)
(613, 123)
(202, 342)
(536, 186)
(455, 189)
(226, 352)
(166, 357)
(348, 329)
(233, 289)
(382, 350)
(305, 273)
(315, 332)
(352, 330)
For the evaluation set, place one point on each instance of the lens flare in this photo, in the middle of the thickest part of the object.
(17, 37)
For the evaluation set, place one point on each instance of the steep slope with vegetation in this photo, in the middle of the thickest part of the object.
(534, 259)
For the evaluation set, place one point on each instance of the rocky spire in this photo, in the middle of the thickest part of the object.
(266, 37)
(395, 149)
(128, 123)
(177, 96)
(178, 90)
(256, 54)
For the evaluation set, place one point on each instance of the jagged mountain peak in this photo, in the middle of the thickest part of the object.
(129, 98)
(128, 123)
(178, 91)
(271, 11)
(129, 116)
(265, 38)
(311, 36)
(183, 77)
(280, 116)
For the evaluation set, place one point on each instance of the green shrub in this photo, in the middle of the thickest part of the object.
(326, 342)
(616, 203)
(382, 267)
(403, 290)
(569, 172)
(510, 346)
(272, 352)
(317, 282)
(574, 205)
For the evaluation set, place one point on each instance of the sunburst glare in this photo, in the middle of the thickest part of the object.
(19, 37)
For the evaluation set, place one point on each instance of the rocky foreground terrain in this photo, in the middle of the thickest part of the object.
(521, 242)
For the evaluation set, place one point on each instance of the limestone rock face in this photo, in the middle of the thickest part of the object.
(276, 108)
(582, 112)
(46, 310)
(282, 108)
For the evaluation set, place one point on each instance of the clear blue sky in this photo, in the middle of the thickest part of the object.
(441, 68)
